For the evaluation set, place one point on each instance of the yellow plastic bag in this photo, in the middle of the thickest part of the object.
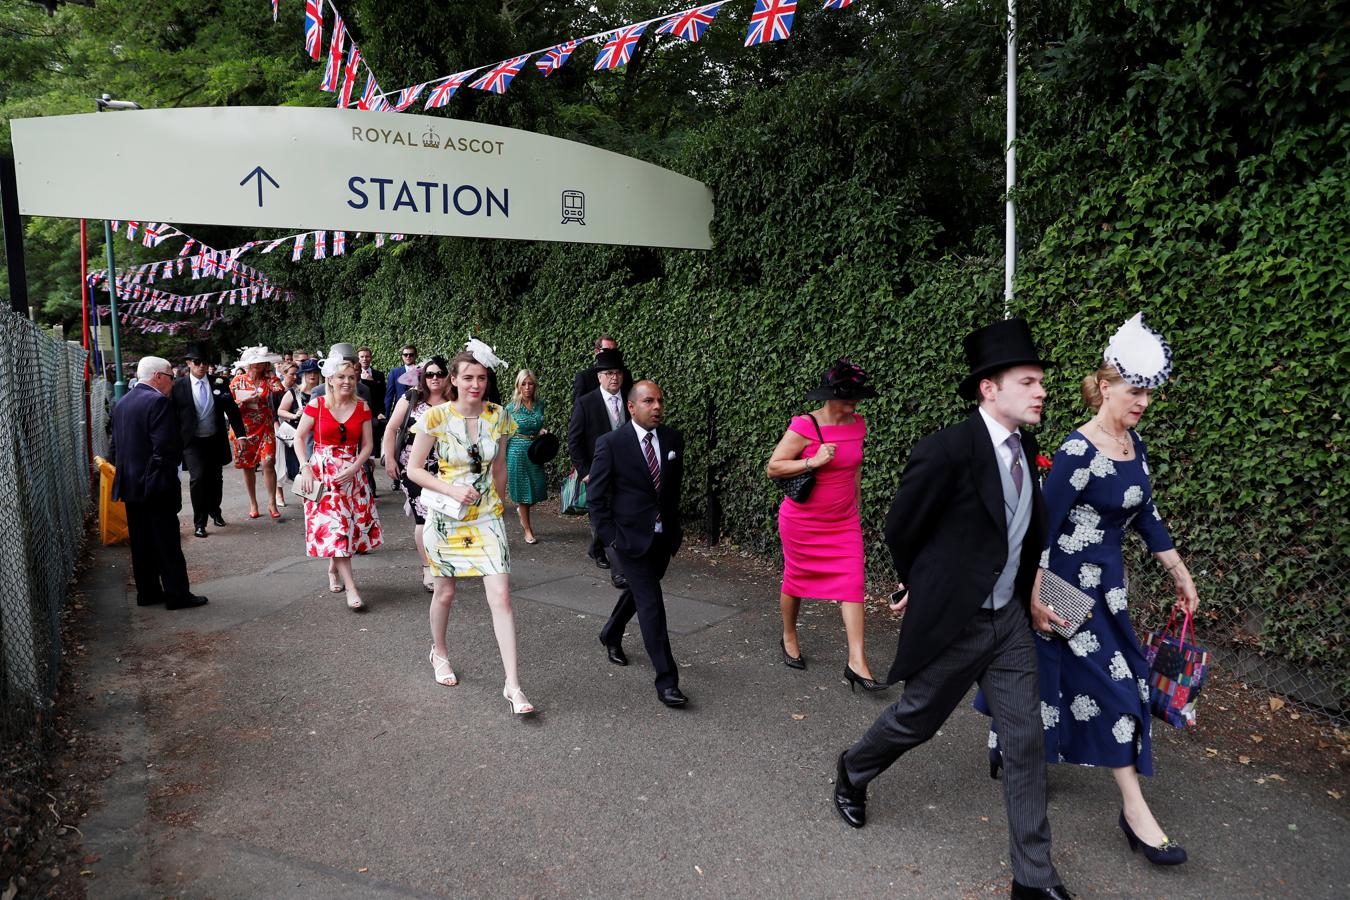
(112, 514)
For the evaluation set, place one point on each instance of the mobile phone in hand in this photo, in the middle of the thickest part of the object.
(897, 596)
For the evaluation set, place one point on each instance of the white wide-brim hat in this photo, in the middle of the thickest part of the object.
(249, 356)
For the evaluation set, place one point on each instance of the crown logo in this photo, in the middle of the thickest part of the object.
(431, 139)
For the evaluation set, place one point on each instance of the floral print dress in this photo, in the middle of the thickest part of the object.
(261, 448)
(1094, 686)
(343, 521)
(475, 545)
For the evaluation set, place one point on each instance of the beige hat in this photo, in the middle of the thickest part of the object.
(260, 354)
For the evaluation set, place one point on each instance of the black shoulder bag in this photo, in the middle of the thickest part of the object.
(798, 487)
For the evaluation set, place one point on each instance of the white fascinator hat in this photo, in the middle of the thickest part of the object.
(257, 354)
(1140, 354)
(484, 354)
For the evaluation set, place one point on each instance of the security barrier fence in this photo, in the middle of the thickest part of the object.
(45, 491)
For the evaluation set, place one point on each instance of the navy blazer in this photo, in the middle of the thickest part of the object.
(621, 498)
(948, 537)
(589, 421)
(393, 391)
(145, 446)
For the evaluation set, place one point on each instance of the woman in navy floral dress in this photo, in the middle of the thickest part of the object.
(1094, 686)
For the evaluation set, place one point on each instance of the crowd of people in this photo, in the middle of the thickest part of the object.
(986, 534)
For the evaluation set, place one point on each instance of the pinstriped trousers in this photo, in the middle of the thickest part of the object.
(997, 650)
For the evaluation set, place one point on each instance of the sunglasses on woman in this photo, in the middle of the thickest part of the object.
(475, 459)
(431, 373)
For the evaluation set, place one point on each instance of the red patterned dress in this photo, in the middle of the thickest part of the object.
(261, 448)
(343, 521)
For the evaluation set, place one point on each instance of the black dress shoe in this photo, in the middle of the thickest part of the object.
(617, 579)
(792, 662)
(1058, 892)
(600, 562)
(187, 602)
(142, 600)
(219, 520)
(616, 654)
(672, 697)
(1169, 854)
(199, 531)
(850, 802)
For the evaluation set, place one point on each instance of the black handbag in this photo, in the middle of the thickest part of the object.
(797, 488)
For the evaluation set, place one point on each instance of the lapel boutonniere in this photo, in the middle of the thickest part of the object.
(1043, 464)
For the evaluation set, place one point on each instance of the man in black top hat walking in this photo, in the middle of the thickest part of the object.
(594, 414)
(965, 531)
(203, 404)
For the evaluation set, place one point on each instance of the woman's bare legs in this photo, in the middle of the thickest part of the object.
(441, 600)
(523, 511)
(251, 489)
(853, 630)
(790, 606)
(270, 480)
(498, 589)
(1137, 814)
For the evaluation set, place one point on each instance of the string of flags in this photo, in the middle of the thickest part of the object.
(147, 299)
(770, 21)
(156, 326)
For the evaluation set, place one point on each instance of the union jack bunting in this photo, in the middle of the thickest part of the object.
(552, 59)
(275, 5)
(349, 76)
(320, 244)
(150, 234)
(441, 94)
(196, 267)
(314, 28)
(618, 50)
(332, 73)
(771, 21)
(408, 96)
(690, 24)
(299, 246)
(498, 78)
(339, 246)
(131, 230)
(836, 4)
(379, 239)
(368, 95)
(380, 103)
(187, 248)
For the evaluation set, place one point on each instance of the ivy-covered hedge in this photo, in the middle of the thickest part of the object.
(1189, 163)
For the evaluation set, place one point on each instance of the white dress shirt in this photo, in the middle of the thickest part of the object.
(999, 435)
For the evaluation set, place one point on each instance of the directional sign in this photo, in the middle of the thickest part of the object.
(348, 170)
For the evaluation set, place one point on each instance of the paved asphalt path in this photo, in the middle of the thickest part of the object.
(274, 744)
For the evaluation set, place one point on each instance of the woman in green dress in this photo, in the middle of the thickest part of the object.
(525, 479)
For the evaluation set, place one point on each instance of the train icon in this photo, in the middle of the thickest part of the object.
(573, 207)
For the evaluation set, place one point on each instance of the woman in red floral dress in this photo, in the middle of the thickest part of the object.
(343, 521)
(257, 446)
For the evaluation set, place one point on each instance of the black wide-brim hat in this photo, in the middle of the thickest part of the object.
(543, 448)
(996, 347)
(842, 381)
(195, 351)
(608, 358)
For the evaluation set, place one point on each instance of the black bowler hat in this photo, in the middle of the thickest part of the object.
(195, 351)
(543, 448)
(996, 347)
(842, 381)
(608, 358)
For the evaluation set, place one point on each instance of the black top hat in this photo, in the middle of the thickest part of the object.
(195, 351)
(842, 381)
(609, 358)
(996, 347)
(543, 448)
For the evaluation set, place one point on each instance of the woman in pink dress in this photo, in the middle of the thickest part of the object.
(822, 537)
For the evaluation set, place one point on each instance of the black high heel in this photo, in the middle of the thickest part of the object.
(792, 662)
(1169, 854)
(854, 680)
(995, 762)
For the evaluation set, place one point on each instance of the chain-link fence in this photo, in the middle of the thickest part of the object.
(1239, 588)
(44, 480)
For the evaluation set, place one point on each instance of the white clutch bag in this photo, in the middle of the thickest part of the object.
(445, 505)
(315, 489)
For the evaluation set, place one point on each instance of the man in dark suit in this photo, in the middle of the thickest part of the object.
(393, 390)
(373, 379)
(203, 406)
(146, 448)
(633, 499)
(588, 379)
(965, 531)
(595, 414)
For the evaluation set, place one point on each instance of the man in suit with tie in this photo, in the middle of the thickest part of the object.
(204, 405)
(634, 502)
(965, 531)
(146, 448)
(595, 414)
(588, 379)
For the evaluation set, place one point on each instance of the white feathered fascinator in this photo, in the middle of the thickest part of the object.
(483, 353)
(1140, 354)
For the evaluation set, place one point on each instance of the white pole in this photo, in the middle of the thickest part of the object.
(1010, 225)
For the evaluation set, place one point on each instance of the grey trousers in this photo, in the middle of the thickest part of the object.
(997, 650)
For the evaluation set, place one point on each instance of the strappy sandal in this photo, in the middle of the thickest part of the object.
(354, 603)
(427, 580)
(440, 666)
(519, 705)
(335, 583)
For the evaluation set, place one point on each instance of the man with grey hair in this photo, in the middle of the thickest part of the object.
(146, 449)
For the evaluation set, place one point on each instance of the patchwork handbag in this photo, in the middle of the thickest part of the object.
(1068, 601)
(1176, 673)
(798, 487)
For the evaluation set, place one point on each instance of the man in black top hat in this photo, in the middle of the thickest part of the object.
(597, 413)
(965, 531)
(588, 379)
(203, 404)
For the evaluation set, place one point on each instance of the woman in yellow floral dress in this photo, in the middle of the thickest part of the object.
(464, 534)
